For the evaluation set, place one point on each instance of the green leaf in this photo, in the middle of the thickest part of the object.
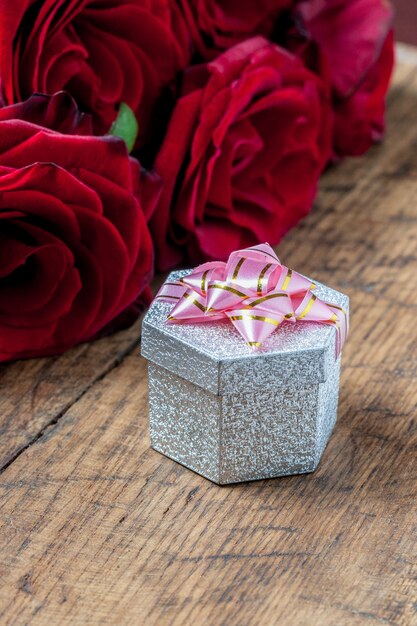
(125, 126)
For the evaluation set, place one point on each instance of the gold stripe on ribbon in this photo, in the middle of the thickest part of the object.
(335, 306)
(254, 343)
(196, 302)
(227, 288)
(203, 281)
(339, 308)
(258, 318)
(263, 252)
(308, 307)
(334, 320)
(288, 316)
(269, 297)
(287, 280)
(178, 284)
(237, 268)
(261, 276)
(167, 296)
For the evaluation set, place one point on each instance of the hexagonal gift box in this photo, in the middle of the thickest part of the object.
(233, 414)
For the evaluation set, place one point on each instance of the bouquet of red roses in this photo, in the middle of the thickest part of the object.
(230, 111)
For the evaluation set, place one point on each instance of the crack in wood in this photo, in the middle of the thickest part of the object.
(55, 420)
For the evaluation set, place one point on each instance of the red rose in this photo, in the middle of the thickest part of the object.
(360, 118)
(103, 53)
(356, 47)
(75, 250)
(244, 149)
(216, 25)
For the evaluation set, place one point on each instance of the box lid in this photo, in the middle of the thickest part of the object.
(214, 356)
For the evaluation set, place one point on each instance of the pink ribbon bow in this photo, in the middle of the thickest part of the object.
(255, 292)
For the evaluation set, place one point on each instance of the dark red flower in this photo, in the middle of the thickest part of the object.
(75, 250)
(244, 149)
(356, 49)
(217, 25)
(360, 118)
(103, 52)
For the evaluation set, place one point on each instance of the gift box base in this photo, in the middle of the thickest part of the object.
(241, 437)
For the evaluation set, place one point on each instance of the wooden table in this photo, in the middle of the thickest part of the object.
(96, 528)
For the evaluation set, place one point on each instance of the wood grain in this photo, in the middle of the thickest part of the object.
(34, 394)
(98, 529)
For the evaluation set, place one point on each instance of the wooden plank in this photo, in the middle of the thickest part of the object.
(406, 55)
(96, 528)
(35, 393)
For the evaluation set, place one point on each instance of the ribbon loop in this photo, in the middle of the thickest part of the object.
(255, 292)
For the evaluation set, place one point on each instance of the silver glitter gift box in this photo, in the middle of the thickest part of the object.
(232, 414)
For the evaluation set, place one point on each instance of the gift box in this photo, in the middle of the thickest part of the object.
(232, 413)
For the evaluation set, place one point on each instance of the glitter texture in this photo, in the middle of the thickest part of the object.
(232, 414)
